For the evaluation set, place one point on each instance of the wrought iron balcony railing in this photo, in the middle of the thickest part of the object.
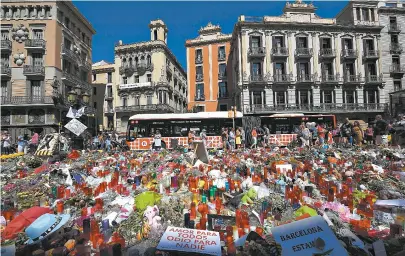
(352, 78)
(85, 64)
(257, 78)
(282, 78)
(199, 77)
(396, 68)
(349, 53)
(17, 100)
(257, 51)
(305, 78)
(223, 95)
(31, 70)
(199, 97)
(35, 43)
(198, 60)
(303, 52)
(221, 57)
(68, 53)
(6, 45)
(374, 79)
(5, 70)
(330, 78)
(109, 110)
(371, 54)
(279, 52)
(141, 108)
(327, 53)
(221, 75)
(395, 48)
(394, 28)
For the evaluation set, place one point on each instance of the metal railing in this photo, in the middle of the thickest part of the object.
(221, 56)
(394, 27)
(16, 100)
(305, 78)
(303, 52)
(108, 110)
(256, 78)
(199, 97)
(284, 78)
(198, 60)
(330, 78)
(85, 64)
(35, 43)
(352, 79)
(6, 44)
(69, 53)
(34, 70)
(279, 51)
(327, 52)
(349, 53)
(257, 51)
(155, 107)
(374, 79)
(371, 54)
(221, 75)
(321, 108)
(5, 69)
(395, 47)
(397, 68)
(223, 95)
(199, 77)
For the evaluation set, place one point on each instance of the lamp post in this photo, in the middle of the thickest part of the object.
(233, 114)
(77, 99)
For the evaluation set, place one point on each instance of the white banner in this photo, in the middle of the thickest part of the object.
(76, 127)
(129, 86)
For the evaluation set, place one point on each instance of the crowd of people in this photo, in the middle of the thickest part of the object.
(23, 144)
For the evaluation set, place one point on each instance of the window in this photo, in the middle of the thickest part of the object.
(280, 98)
(223, 90)
(66, 66)
(60, 16)
(256, 69)
(303, 69)
(198, 54)
(5, 60)
(327, 69)
(136, 79)
(369, 45)
(124, 101)
(125, 80)
(162, 97)
(35, 89)
(149, 77)
(95, 105)
(371, 69)
(155, 36)
(358, 13)
(37, 59)
(255, 42)
(94, 77)
(327, 97)
(349, 97)
(393, 20)
(67, 22)
(109, 91)
(199, 73)
(397, 85)
(149, 99)
(137, 101)
(223, 107)
(148, 60)
(257, 98)
(222, 70)
(372, 17)
(391, 4)
(94, 91)
(394, 39)
(4, 88)
(38, 34)
(200, 108)
(109, 77)
(5, 35)
(365, 14)
(349, 69)
(371, 96)
(279, 69)
(303, 97)
(326, 43)
(278, 42)
(67, 44)
(199, 92)
(221, 53)
(302, 42)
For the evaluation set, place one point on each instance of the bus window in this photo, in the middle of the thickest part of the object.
(184, 132)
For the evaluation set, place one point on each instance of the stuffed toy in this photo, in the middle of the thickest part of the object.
(249, 196)
(152, 215)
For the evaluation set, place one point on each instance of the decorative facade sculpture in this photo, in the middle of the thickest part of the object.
(20, 33)
(19, 58)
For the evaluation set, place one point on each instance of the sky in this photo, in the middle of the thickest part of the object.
(128, 20)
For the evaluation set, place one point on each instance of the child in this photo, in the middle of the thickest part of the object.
(369, 134)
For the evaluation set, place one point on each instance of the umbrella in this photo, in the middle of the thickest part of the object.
(22, 221)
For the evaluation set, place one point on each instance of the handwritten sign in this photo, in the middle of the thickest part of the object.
(76, 127)
(190, 240)
(284, 168)
(47, 145)
(308, 237)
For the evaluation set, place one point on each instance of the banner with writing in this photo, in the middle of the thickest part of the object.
(310, 236)
(190, 240)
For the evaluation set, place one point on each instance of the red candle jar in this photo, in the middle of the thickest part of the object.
(60, 207)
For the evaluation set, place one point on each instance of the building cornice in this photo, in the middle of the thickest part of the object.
(391, 10)
(149, 45)
(199, 42)
(102, 70)
(79, 15)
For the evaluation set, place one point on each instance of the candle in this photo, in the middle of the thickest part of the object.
(59, 207)
(193, 212)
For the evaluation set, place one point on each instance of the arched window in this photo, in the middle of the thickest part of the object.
(148, 60)
(155, 34)
(136, 61)
(130, 61)
(143, 60)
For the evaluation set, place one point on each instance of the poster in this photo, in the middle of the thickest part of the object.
(190, 240)
(308, 237)
(284, 168)
(47, 145)
(76, 127)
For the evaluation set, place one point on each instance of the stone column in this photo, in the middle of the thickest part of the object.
(245, 49)
(378, 49)
(359, 60)
(338, 95)
(275, 98)
(291, 96)
(315, 49)
(267, 63)
(240, 59)
(338, 49)
(291, 49)
(269, 96)
(316, 92)
(360, 95)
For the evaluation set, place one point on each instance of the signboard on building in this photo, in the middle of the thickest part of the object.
(135, 85)
(190, 240)
(76, 127)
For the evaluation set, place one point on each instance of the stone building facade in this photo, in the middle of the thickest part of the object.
(150, 78)
(208, 84)
(301, 63)
(45, 53)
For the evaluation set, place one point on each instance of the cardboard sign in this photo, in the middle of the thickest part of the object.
(201, 152)
(47, 145)
(309, 236)
(76, 127)
(190, 240)
(284, 168)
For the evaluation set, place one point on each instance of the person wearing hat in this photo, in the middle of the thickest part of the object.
(21, 143)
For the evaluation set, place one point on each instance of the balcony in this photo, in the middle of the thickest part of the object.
(35, 44)
(310, 108)
(279, 52)
(5, 70)
(374, 79)
(160, 108)
(109, 96)
(371, 54)
(143, 85)
(282, 78)
(199, 77)
(397, 69)
(221, 75)
(199, 98)
(6, 45)
(395, 48)
(349, 54)
(25, 100)
(305, 78)
(223, 95)
(199, 60)
(30, 70)
(108, 110)
(330, 78)
(66, 52)
(85, 64)
(348, 79)
(303, 52)
(221, 57)
(394, 28)
(256, 79)
(326, 53)
(256, 52)
(70, 79)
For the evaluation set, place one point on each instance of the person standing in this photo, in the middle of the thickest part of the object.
(190, 139)
(380, 129)
(347, 131)
(358, 133)
(238, 139)
(232, 138)
(243, 137)
(306, 135)
(157, 141)
(266, 135)
(321, 134)
(108, 144)
(6, 143)
(369, 134)
(21, 144)
(254, 138)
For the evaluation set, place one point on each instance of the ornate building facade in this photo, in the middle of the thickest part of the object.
(208, 84)
(150, 79)
(45, 54)
(299, 62)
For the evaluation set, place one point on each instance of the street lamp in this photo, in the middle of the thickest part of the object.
(86, 98)
(72, 96)
(232, 114)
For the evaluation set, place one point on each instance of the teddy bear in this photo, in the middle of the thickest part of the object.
(152, 215)
(249, 196)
